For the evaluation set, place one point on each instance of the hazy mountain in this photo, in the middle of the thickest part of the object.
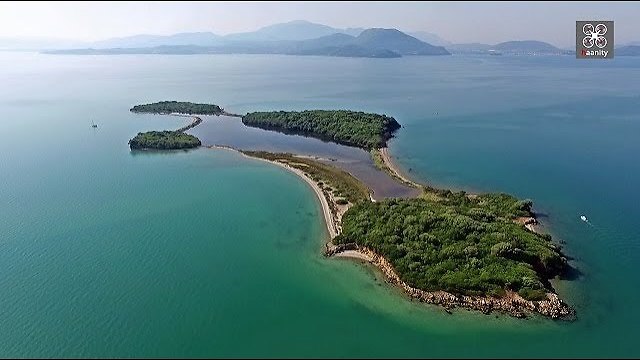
(140, 41)
(430, 38)
(352, 31)
(293, 30)
(629, 50)
(333, 40)
(377, 43)
(526, 46)
(397, 41)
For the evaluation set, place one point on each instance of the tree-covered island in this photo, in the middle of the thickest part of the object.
(178, 107)
(353, 128)
(449, 241)
(163, 140)
(172, 139)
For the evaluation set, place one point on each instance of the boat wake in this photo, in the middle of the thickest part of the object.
(584, 218)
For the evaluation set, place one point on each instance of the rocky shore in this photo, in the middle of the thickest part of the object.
(512, 303)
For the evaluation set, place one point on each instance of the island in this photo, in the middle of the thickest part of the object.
(164, 140)
(454, 249)
(178, 107)
(450, 242)
(172, 139)
(176, 139)
(352, 128)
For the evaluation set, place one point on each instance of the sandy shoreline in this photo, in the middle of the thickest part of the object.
(386, 158)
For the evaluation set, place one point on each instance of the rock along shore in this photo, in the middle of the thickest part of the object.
(512, 303)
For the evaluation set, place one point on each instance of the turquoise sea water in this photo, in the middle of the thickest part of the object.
(206, 253)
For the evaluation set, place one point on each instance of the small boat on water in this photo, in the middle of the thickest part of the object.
(583, 218)
(93, 125)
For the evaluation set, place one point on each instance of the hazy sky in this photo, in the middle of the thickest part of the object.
(489, 22)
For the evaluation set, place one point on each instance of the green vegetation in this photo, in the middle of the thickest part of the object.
(378, 162)
(164, 140)
(457, 243)
(178, 107)
(341, 182)
(501, 205)
(352, 128)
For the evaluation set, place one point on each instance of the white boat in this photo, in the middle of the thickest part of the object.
(583, 218)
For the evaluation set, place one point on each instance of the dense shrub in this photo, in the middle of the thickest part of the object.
(342, 126)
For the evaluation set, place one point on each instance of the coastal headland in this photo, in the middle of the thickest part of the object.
(478, 252)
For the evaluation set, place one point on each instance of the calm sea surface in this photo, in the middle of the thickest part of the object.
(104, 252)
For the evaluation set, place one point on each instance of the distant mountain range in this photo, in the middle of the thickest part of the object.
(377, 43)
(293, 30)
(293, 38)
(290, 31)
(525, 47)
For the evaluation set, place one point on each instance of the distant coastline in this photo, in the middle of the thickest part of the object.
(369, 43)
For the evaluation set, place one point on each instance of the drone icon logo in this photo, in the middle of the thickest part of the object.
(594, 39)
(594, 36)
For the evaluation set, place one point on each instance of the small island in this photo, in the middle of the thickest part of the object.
(178, 107)
(164, 140)
(177, 139)
(352, 128)
(172, 139)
